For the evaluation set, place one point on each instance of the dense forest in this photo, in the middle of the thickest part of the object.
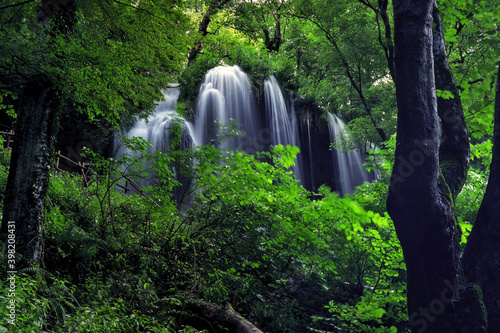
(249, 223)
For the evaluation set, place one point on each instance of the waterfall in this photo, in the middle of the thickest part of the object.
(225, 97)
(226, 103)
(157, 130)
(349, 171)
(311, 172)
(281, 120)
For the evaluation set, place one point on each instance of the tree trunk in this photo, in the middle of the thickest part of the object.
(454, 151)
(432, 155)
(36, 127)
(481, 258)
(27, 183)
(420, 210)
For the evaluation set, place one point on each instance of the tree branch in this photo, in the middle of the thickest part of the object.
(16, 4)
(347, 68)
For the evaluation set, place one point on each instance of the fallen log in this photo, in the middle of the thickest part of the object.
(214, 317)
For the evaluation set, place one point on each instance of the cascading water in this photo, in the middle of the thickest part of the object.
(225, 96)
(349, 171)
(157, 129)
(281, 120)
(309, 141)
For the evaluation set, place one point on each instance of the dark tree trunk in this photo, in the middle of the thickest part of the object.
(421, 214)
(31, 160)
(273, 44)
(36, 127)
(419, 207)
(432, 155)
(481, 258)
(454, 152)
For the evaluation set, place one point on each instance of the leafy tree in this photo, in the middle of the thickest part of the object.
(267, 20)
(105, 58)
(211, 8)
(384, 28)
(352, 49)
(471, 37)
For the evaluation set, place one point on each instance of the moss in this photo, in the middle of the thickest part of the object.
(449, 199)
(454, 171)
(478, 292)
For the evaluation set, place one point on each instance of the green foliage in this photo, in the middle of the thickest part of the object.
(259, 65)
(472, 42)
(326, 49)
(481, 155)
(249, 235)
(469, 199)
(379, 159)
(105, 243)
(375, 269)
(116, 316)
(284, 156)
(42, 302)
(107, 59)
(444, 94)
(8, 108)
(225, 44)
(372, 196)
(271, 232)
(4, 171)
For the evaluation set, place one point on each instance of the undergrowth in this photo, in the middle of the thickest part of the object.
(245, 234)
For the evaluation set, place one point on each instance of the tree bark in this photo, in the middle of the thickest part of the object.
(454, 151)
(422, 216)
(481, 258)
(36, 127)
(432, 156)
(31, 161)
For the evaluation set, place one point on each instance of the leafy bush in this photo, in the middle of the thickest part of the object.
(41, 303)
